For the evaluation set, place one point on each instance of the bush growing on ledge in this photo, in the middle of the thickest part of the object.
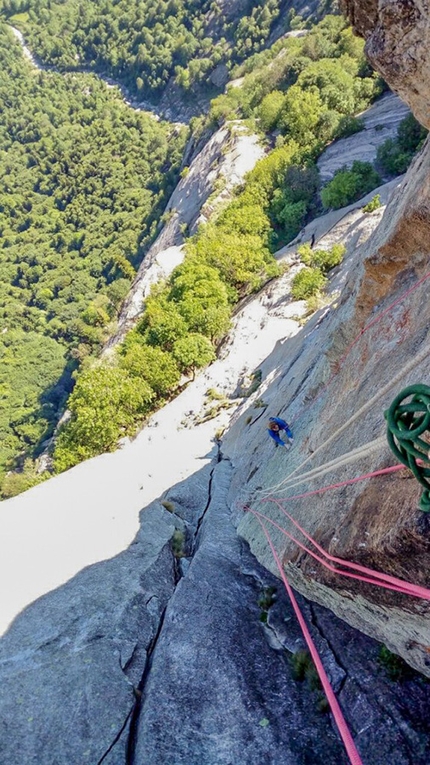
(373, 205)
(349, 185)
(158, 368)
(105, 405)
(193, 352)
(395, 154)
(307, 282)
(325, 260)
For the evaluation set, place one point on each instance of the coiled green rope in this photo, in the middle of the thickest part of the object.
(406, 424)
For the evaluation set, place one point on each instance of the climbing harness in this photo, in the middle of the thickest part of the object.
(407, 422)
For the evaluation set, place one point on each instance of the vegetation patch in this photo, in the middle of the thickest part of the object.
(177, 543)
(349, 185)
(395, 154)
(309, 281)
(265, 601)
(395, 667)
(374, 204)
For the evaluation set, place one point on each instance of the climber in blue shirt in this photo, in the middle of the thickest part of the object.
(275, 425)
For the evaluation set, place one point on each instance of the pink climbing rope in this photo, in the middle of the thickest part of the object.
(374, 577)
(397, 584)
(360, 334)
(338, 485)
(344, 731)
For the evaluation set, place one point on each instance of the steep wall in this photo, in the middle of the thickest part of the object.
(161, 654)
(375, 522)
(397, 34)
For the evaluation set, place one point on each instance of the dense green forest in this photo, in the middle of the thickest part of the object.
(84, 181)
(144, 43)
(300, 95)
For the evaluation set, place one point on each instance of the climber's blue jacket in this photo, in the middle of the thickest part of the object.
(282, 426)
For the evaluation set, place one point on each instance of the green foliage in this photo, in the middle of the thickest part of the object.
(410, 134)
(169, 506)
(162, 324)
(34, 382)
(373, 205)
(270, 109)
(395, 155)
(307, 282)
(104, 405)
(202, 298)
(242, 259)
(83, 181)
(178, 543)
(153, 365)
(395, 667)
(16, 482)
(193, 351)
(301, 115)
(303, 668)
(267, 598)
(325, 260)
(145, 44)
(349, 185)
(348, 125)
(293, 200)
(214, 395)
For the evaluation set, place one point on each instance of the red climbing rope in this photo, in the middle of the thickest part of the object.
(345, 734)
(360, 334)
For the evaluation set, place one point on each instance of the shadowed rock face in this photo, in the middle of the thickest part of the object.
(397, 34)
(148, 659)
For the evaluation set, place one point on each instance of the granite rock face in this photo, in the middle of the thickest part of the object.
(334, 383)
(380, 121)
(397, 34)
(71, 662)
(134, 663)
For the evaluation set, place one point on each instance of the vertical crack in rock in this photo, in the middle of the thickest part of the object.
(139, 693)
(314, 621)
(118, 736)
(134, 713)
(209, 499)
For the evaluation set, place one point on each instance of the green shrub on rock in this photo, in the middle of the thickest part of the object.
(325, 260)
(158, 368)
(350, 185)
(307, 282)
(373, 205)
(193, 352)
(104, 406)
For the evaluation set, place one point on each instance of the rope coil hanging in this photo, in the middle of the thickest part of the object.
(407, 423)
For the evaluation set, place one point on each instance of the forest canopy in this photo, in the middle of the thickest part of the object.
(84, 180)
(145, 43)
